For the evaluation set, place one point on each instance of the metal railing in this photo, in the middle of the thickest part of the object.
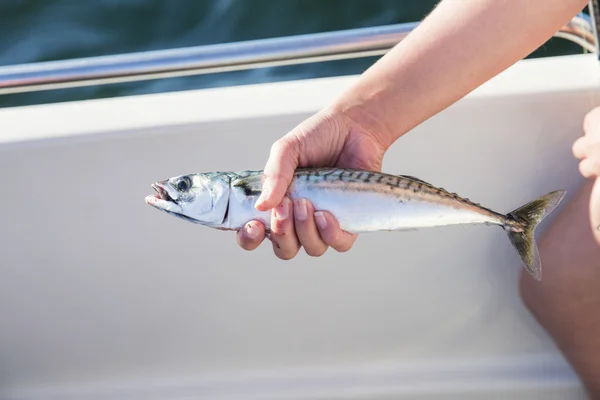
(198, 60)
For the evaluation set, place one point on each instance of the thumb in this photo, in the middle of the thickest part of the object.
(278, 173)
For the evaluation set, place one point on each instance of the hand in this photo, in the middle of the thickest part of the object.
(587, 149)
(328, 138)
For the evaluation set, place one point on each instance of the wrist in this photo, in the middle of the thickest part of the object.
(389, 99)
(359, 115)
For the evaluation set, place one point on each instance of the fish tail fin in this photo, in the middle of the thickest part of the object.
(528, 217)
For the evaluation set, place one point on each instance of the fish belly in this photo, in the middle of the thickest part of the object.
(364, 211)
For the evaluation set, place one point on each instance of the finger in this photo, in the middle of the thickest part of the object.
(580, 147)
(306, 229)
(591, 121)
(589, 167)
(332, 234)
(251, 235)
(278, 172)
(283, 237)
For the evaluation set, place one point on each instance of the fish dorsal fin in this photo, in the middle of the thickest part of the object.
(415, 179)
(446, 192)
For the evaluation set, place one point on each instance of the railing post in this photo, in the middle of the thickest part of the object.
(595, 20)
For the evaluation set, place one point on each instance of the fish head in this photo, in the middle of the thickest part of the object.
(199, 198)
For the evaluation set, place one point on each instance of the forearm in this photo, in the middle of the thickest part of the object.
(459, 46)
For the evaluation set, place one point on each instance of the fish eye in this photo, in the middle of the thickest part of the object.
(184, 184)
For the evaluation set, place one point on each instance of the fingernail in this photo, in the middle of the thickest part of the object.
(266, 189)
(283, 210)
(300, 210)
(252, 231)
(262, 197)
(320, 220)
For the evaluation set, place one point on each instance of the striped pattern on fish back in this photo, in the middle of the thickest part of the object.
(393, 182)
(249, 180)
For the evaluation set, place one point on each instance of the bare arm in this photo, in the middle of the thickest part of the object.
(459, 46)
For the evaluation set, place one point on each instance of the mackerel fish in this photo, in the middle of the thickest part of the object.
(360, 200)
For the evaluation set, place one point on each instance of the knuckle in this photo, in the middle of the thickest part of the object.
(249, 246)
(252, 244)
(584, 170)
(278, 146)
(343, 248)
(330, 236)
(283, 146)
(578, 143)
(337, 240)
(315, 252)
(284, 252)
(285, 256)
(283, 247)
(595, 166)
(591, 120)
(346, 244)
(242, 241)
(245, 245)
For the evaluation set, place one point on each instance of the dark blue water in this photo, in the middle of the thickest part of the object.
(42, 30)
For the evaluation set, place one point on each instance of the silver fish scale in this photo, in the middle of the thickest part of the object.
(349, 175)
(402, 182)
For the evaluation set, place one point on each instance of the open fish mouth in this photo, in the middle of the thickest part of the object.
(162, 200)
(161, 193)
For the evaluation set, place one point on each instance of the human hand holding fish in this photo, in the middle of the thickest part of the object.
(328, 138)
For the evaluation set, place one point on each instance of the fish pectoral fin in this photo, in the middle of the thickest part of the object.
(251, 185)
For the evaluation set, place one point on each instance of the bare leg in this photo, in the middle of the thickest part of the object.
(567, 300)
